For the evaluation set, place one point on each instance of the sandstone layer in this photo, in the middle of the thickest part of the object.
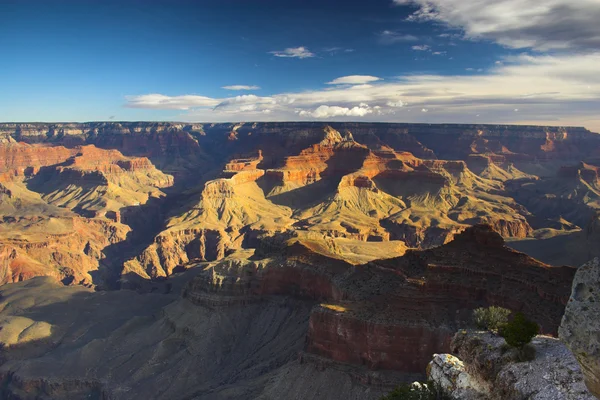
(62, 207)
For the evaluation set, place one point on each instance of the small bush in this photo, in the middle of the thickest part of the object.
(526, 353)
(491, 318)
(417, 391)
(519, 331)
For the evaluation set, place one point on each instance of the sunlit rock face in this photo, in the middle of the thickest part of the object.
(340, 188)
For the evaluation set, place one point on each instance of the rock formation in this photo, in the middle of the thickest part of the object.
(484, 369)
(579, 328)
(379, 314)
(61, 207)
(337, 188)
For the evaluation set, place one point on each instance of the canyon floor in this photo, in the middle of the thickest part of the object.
(270, 260)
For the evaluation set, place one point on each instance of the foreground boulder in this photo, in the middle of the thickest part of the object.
(485, 368)
(580, 328)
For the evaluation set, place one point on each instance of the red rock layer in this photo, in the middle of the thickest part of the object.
(21, 159)
(394, 314)
(68, 257)
(374, 344)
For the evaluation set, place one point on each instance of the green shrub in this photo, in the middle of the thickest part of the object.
(526, 353)
(491, 318)
(519, 331)
(417, 391)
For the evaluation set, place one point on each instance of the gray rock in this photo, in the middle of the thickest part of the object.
(580, 327)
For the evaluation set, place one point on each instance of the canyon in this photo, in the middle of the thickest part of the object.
(241, 255)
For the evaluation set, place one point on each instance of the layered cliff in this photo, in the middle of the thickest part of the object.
(394, 314)
(61, 207)
(337, 188)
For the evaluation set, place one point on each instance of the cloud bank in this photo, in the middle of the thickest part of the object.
(560, 90)
(539, 24)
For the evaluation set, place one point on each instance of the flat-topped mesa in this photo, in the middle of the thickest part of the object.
(225, 187)
(20, 159)
(109, 161)
(333, 156)
(243, 170)
(477, 269)
(244, 164)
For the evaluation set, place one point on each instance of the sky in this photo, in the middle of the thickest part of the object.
(432, 61)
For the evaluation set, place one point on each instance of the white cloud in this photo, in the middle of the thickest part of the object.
(242, 102)
(538, 24)
(390, 37)
(293, 52)
(422, 47)
(571, 94)
(354, 80)
(159, 101)
(325, 111)
(395, 104)
(241, 87)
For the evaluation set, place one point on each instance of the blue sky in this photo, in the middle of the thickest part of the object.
(492, 61)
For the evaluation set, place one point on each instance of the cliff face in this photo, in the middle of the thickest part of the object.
(579, 328)
(347, 253)
(393, 314)
(354, 182)
(193, 144)
(336, 188)
(62, 206)
(321, 320)
(378, 345)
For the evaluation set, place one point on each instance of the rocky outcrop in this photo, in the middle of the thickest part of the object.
(21, 159)
(68, 257)
(580, 329)
(484, 368)
(61, 207)
(176, 248)
(392, 314)
(449, 374)
(477, 269)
